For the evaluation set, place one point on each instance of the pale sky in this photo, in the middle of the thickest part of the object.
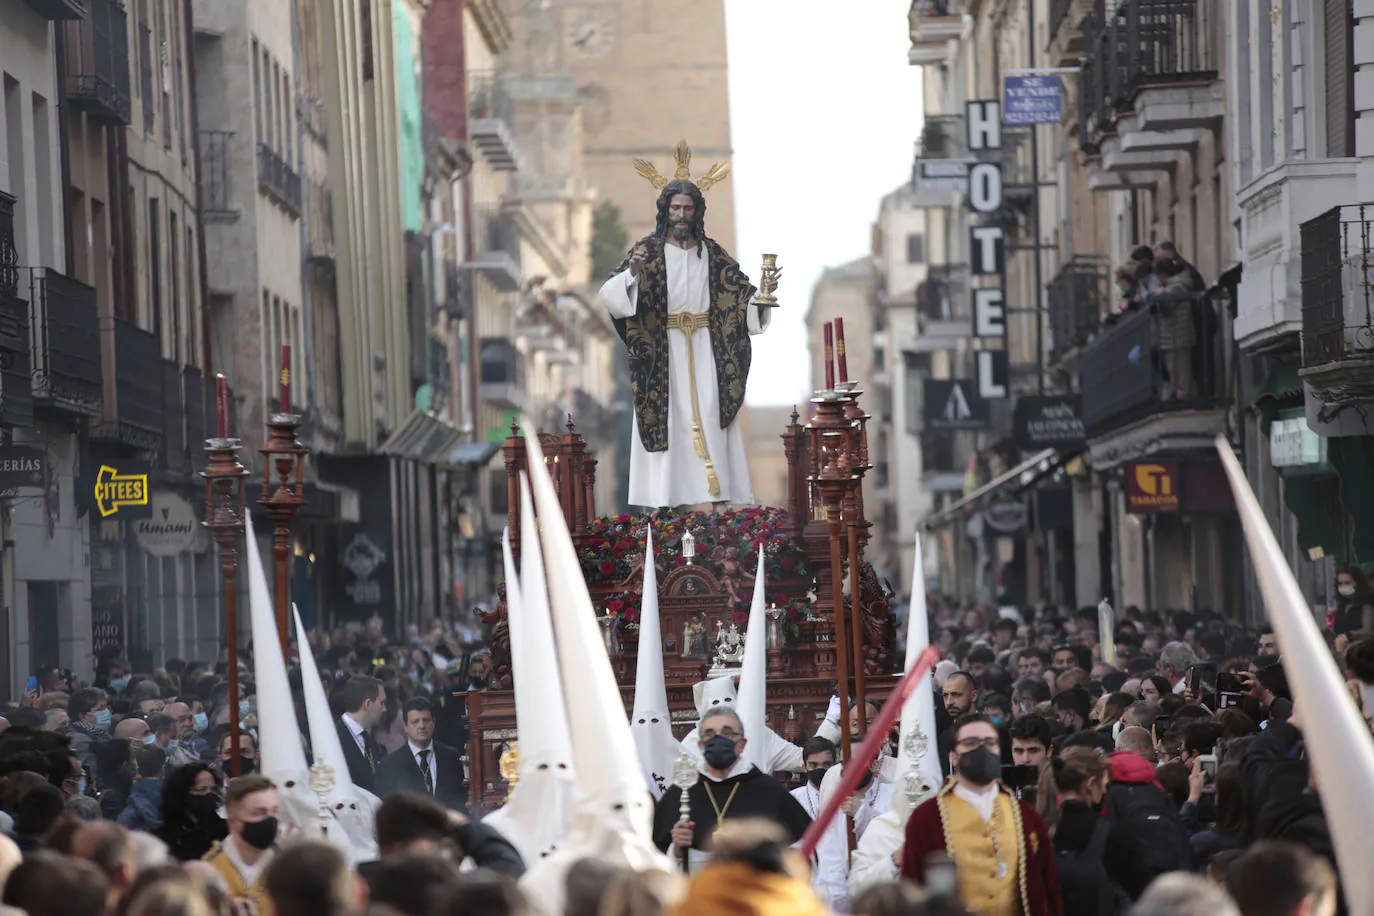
(825, 112)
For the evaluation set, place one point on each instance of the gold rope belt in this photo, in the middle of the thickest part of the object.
(688, 323)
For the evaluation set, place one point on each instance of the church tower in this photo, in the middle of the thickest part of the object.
(649, 73)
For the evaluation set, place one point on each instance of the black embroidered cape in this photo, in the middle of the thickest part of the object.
(646, 339)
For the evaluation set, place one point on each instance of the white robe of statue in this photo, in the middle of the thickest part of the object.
(676, 476)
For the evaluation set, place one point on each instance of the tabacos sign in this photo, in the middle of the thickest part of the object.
(119, 490)
(987, 248)
(1152, 486)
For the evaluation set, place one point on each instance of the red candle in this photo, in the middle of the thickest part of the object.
(285, 378)
(829, 357)
(839, 350)
(222, 404)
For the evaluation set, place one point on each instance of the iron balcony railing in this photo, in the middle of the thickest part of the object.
(942, 137)
(1077, 296)
(64, 331)
(216, 169)
(174, 453)
(1165, 355)
(488, 98)
(58, 10)
(278, 180)
(97, 51)
(1338, 286)
(16, 381)
(1137, 44)
(138, 385)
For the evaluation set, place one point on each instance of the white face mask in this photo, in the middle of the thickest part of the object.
(1345, 591)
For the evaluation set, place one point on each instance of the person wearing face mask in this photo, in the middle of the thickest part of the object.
(191, 824)
(1094, 856)
(185, 745)
(832, 854)
(248, 754)
(998, 844)
(730, 787)
(1353, 613)
(243, 857)
(89, 714)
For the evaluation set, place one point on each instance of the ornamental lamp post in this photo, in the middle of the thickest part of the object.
(224, 516)
(284, 455)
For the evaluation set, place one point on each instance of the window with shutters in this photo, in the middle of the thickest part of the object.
(1340, 79)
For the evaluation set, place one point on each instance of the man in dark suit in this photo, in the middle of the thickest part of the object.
(423, 765)
(364, 702)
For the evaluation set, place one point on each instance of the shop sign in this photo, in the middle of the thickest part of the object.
(1292, 444)
(173, 529)
(1049, 421)
(1006, 515)
(362, 557)
(22, 466)
(119, 490)
(1152, 486)
(951, 404)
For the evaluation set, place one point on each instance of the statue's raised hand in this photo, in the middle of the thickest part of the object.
(637, 258)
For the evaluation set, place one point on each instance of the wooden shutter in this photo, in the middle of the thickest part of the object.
(1340, 79)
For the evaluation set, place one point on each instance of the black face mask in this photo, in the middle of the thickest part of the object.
(980, 766)
(260, 834)
(247, 765)
(719, 752)
(203, 807)
(815, 776)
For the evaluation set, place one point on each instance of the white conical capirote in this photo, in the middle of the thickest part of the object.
(753, 679)
(280, 755)
(650, 722)
(539, 812)
(354, 825)
(614, 820)
(1337, 740)
(918, 765)
(1106, 632)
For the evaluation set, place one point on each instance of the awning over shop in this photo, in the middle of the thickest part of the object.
(472, 454)
(1037, 466)
(423, 438)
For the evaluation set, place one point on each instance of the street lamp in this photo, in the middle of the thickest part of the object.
(224, 516)
(282, 500)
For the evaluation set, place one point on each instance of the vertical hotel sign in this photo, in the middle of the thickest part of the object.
(988, 247)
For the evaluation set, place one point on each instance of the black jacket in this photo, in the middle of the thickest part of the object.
(755, 794)
(188, 841)
(484, 845)
(358, 766)
(1119, 858)
(400, 773)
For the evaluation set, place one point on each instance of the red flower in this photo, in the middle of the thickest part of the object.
(607, 567)
(792, 615)
(632, 615)
(788, 563)
(615, 606)
(742, 618)
(680, 561)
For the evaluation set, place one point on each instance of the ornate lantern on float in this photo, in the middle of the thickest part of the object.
(689, 547)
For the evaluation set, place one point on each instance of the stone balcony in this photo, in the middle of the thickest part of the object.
(935, 26)
(1272, 209)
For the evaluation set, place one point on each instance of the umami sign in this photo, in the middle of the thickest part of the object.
(1152, 486)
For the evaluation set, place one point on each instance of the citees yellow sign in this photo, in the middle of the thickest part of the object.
(1152, 487)
(117, 491)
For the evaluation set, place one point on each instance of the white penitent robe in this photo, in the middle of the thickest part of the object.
(677, 476)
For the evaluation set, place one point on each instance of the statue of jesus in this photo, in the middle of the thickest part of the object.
(685, 312)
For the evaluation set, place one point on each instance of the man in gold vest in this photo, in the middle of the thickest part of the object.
(243, 857)
(1000, 848)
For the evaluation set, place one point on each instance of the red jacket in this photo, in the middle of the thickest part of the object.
(925, 834)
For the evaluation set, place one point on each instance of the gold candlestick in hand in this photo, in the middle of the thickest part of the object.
(768, 282)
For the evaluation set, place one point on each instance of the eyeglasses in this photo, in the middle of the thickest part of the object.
(972, 744)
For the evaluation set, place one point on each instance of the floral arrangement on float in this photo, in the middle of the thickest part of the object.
(726, 544)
